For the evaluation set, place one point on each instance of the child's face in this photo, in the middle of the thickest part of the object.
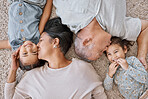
(28, 53)
(115, 51)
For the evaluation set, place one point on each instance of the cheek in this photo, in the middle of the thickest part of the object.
(109, 58)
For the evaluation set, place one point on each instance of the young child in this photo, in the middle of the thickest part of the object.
(127, 72)
(24, 29)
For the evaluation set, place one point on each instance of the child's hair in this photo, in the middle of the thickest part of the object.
(120, 42)
(31, 66)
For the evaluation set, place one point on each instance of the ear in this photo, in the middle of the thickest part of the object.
(56, 42)
(87, 41)
(125, 49)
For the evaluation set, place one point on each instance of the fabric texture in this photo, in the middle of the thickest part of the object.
(132, 83)
(78, 80)
(40, 3)
(111, 15)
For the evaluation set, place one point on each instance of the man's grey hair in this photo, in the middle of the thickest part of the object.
(82, 51)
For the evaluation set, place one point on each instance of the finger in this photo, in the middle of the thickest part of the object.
(116, 67)
(146, 67)
(114, 64)
(13, 55)
(119, 61)
(17, 51)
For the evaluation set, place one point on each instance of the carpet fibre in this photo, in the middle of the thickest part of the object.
(135, 8)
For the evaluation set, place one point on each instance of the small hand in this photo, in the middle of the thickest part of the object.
(112, 69)
(123, 63)
(15, 61)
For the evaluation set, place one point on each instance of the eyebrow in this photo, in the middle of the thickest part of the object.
(27, 54)
(115, 49)
(34, 53)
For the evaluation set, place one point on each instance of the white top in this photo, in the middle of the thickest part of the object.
(75, 81)
(110, 14)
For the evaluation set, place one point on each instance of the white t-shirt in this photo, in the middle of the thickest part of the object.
(110, 14)
(75, 81)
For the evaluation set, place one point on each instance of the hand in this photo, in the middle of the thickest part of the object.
(112, 69)
(143, 61)
(123, 63)
(15, 61)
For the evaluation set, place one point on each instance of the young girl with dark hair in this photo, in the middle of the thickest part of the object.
(127, 72)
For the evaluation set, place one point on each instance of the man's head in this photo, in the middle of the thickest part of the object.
(90, 44)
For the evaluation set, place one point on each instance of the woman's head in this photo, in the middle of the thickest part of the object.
(117, 49)
(28, 56)
(56, 36)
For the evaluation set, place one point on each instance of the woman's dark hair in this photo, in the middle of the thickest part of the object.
(55, 29)
(29, 67)
(120, 42)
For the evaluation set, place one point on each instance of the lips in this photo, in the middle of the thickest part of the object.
(115, 60)
(28, 44)
(39, 49)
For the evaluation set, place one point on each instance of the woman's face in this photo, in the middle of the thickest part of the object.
(28, 53)
(45, 46)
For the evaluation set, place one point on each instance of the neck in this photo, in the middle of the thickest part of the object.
(91, 28)
(57, 60)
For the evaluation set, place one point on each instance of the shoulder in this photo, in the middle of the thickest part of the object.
(34, 71)
(131, 58)
(84, 68)
(81, 64)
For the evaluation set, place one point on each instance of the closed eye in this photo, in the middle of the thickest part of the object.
(116, 51)
(25, 53)
(34, 53)
(41, 40)
(108, 54)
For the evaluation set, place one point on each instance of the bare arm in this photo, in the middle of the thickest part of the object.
(45, 15)
(14, 66)
(142, 42)
(4, 44)
(10, 85)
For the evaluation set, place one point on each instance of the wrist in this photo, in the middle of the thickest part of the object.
(11, 76)
(126, 67)
(13, 69)
(110, 75)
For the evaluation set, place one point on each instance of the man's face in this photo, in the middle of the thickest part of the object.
(98, 46)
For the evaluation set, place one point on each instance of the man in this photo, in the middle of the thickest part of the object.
(94, 22)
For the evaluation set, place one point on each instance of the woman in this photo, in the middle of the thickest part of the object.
(60, 78)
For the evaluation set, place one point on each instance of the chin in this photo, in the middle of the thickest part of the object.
(94, 58)
(39, 57)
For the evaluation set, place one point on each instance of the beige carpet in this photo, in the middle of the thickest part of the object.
(135, 8)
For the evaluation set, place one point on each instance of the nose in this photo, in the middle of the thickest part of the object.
(105, 49)
(29, 49)
(114, 57)
(38, 44)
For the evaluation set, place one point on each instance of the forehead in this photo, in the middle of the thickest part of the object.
(113, 47)
(30, 59)
(44, 35)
